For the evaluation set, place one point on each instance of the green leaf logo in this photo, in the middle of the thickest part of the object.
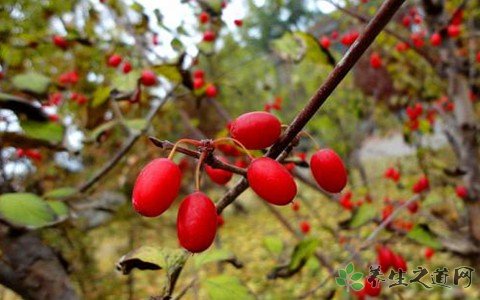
(349, 278)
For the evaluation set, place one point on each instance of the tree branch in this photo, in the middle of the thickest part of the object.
(372, 30)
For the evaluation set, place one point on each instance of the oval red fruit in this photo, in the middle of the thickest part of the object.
(256, 130)
(385, 258)
(211, 90)
(209, 36)
(399, 263)
(148, 78)
(60, 42)
(429, 252)
(305, 227)
(114, 60)
(219, 176)
(271, 181)
(328, 170)
(461, 191)
(156, 187)
(127, 67)
(196, 222)
(372, 286)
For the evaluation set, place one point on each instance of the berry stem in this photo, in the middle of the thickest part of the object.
(227, 139)
(185, 141)
(197, 170)
(315, 143)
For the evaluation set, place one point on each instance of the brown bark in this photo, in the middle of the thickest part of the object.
(32, 269)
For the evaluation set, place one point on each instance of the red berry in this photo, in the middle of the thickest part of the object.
(219, 176)
(305, 227)
(33, 154)
(421, 185)
(417, 19)
(238, 22)
(346, 201)
(247, 128)
(198, 74)
(271, 181)
(148, 78)
(295, 206)
(211, 90)
(399, 263)
(457, 17)
(406, 21)
(328, 170)
(60, 42)
(209, 36)
(198, 83)
(372, 287)
(204, 17)
(196, 222)
(417, 40)
(127, 67)
(325, 42)
(114, 60)
(69, 78)
(401, 47)
(413, 207)
(436, 39)
(387, 211)
(385, 258)
(156, 187)
(429, 252)
(453, 30)
(55, 98)
(155, 39)
(375, 60)
(461, 191)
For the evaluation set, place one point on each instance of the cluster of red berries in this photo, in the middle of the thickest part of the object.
(392, 174)
(115, 60)
(387, 259)
(33, 154)
(199, 83)
(421, 185)
(158, 183)
(275, 105)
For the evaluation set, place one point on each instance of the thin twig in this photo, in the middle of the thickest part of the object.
(128, 144)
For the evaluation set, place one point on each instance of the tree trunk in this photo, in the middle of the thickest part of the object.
(32, 269)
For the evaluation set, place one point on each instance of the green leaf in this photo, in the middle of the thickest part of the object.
(213, 255)
(363, 215)
(357, 286)
(60, 193)
(226, 287)
(126, 82)
(356, 276)
(100, 95)
(349, 268)
(340, 281)
(273, 244)
(150, 258)
(302, 252)
(177, 45)
(26, 210)
(59, 208)
(49, 131)
(342, 273)
(32, 82)
(136, 124)
(169, 71)
(424, 236)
